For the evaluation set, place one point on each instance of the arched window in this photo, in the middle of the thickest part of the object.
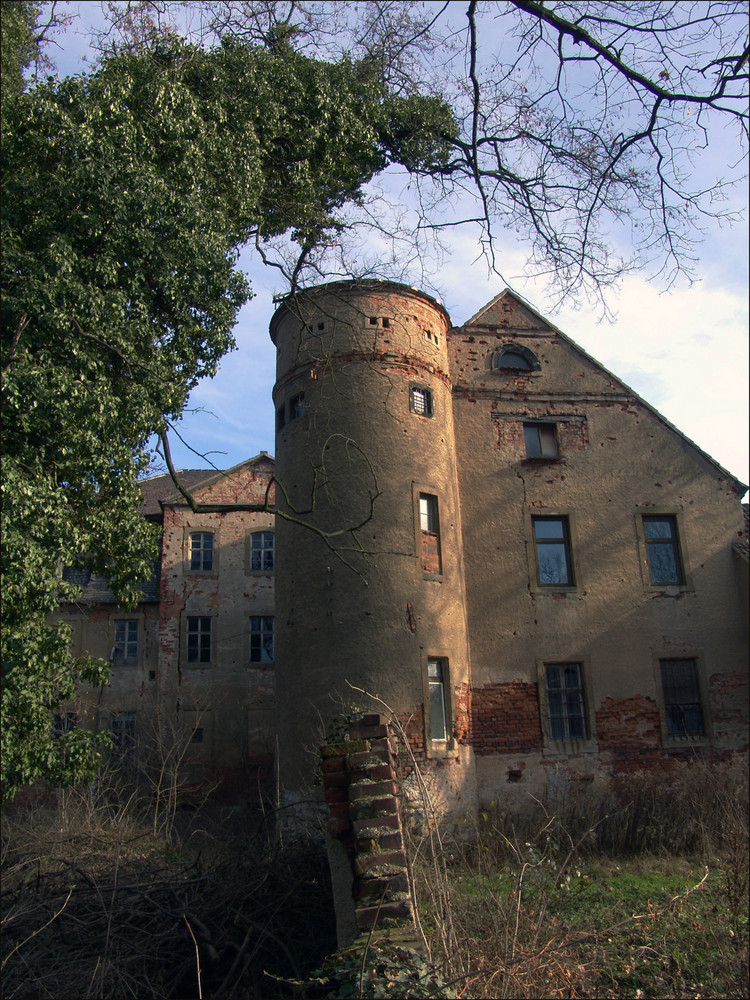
(516, 357)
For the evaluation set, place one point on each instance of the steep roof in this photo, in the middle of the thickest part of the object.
(495, 313)
(158, 488)
(95, 588)
(742, 546)
(209, 478)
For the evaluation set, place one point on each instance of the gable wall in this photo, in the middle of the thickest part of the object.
(616, 459)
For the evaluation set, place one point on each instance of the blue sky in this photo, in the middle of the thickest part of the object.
(684, 350)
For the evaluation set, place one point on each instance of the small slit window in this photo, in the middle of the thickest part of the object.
(436, 671)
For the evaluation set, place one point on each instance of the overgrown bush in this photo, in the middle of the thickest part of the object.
(94, 905)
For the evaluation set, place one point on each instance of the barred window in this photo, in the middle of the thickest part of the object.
(566, 707)
(682, 699)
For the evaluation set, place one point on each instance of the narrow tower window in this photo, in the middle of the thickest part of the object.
(438, 714)
(430, 527)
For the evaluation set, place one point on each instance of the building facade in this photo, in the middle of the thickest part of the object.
(478, 528)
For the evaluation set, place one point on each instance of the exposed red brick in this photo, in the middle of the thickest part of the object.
(505, 718)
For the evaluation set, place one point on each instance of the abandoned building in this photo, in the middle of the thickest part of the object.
(479, 526)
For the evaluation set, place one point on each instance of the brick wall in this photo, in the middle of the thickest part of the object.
(505, 718)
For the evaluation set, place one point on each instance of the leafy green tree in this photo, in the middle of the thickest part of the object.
(126, 195)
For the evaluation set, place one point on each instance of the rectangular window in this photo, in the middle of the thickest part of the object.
(199, 640)
(125, 648)
(682, 699)
(261, 551)
(280, 417)
(438, 714)
(297, 406)
(553, 561)
(430, 528)
(261, 639)
(566, 708)
(64, 723)
(420, 400)
(663, 548)
(122, 727)
(201, 552)
(540, 440)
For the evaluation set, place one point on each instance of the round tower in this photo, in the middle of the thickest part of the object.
(370, 588)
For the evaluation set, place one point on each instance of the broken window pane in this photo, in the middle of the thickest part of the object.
(261, 639)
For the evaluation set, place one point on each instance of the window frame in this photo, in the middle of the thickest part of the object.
(261, 632)
(249, 535)
(297, 407)
(135, 661)
(429, 411)
(199, 664)
(199, 529)
(539, 425)
(569, 544)
(669, 738)
(124, 743)
(63, 723)
(420, 492)
(567, 744)
(436, 748)
(528, 355)
(678, 546)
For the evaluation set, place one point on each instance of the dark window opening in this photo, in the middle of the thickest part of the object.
(199, 640)
(125, 648)
(512, 360)
(540, 440)
(373, 320)
(321, 326)
(516, 357)
(566, 709)
(553, 561)
(122, 727)
(262, 551)
(682, 699)
(63, 723)
(420, 400)
(297, 406)
(280, 418)
(201, 552)
(430, 528)
(197, 735)
(386, 322)
(436, 677)
(662, 546)
(261, 639)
